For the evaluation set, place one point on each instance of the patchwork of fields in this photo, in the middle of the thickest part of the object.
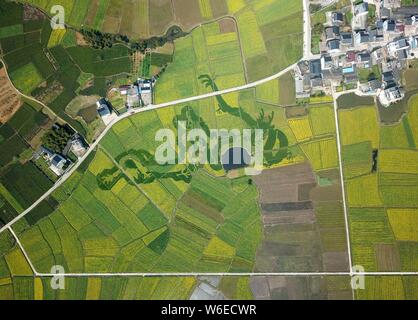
(122, 212)
(380, 167)
(126, 213)
(21, 182)
(48, 73)
(252, 46)
(50, 66)
(266, 35)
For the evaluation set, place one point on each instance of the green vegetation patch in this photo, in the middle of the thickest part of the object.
(11, 31)
(26, 78)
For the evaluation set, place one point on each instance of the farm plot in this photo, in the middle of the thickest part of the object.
(125, 212)
(358, 125)
(207, 51)
(26, 78)
(380, 176)
(303, 223)
(271, 36)
(18, 141)
(389, 288)
(183, 288)
(299, 288)
(9, 98)
(98, 232)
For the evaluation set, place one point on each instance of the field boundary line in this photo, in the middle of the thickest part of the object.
(23, 251)
(32, 98)
(340, 161)
(127, 115)
(226, 274)
(154, 107)
(150, 108)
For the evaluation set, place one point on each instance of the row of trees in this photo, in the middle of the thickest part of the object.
(57, 138)
(101, 40)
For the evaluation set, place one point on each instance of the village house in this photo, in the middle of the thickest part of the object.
(133, 99)
(382, 45)
(361, 37)
(78, 146)
(333, 46)
(332, 33)
(145, 87)
(346, 39)
(57, 163)
(361, 9)
(337, 18)
(364, 59)
(105, 111)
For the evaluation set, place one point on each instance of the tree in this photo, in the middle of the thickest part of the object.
(57, 138)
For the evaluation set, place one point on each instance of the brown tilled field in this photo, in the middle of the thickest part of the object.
(187, 13)
(9, 98)
(219, 8)
(227, 25)
(304, 227)
(161, 16)
(301, 288)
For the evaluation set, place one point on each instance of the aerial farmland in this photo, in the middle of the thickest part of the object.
(82, 188)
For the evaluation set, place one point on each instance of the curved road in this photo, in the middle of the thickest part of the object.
(127, 115)
(32, 98)
(306, 55)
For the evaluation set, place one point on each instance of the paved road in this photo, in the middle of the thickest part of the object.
(337, 130)
(127, 115)
(222, 274)
(307, 31)
(307, 55)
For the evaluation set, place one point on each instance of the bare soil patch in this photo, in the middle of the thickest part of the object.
(300, 232)
(187, 13)
(161, 16)
(219, 8)
(300, 288)
(80, 39)
(227, 25)
(294, 112)
(9, 98)
(387, 257)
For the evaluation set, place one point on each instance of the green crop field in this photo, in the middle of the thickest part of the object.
(26, 78)
(381, 190)
(123, 212)
(15, 149)
(126, 213)
(47, 64)
(206, 51)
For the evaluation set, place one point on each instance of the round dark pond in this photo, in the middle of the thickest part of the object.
(235, 158)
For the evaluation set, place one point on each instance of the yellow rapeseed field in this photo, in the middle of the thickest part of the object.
(404, 223)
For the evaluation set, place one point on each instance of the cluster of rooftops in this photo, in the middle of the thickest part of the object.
(59, 163)
(360, 54)
(138, 94)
